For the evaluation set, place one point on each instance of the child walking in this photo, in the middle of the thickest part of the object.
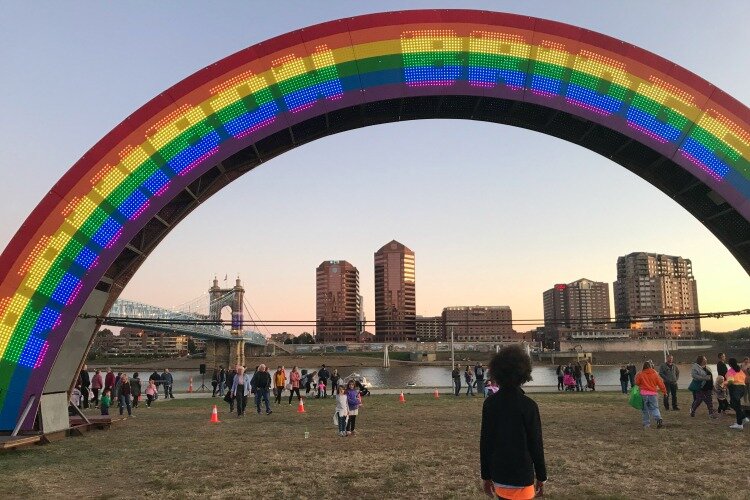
(105, 401)
(342, 410)
(720, 390)
(352, 403)
(150, 393)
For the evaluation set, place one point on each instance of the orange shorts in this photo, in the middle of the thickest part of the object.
(526, 493)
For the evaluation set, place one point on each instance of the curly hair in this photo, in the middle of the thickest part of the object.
(511, 367)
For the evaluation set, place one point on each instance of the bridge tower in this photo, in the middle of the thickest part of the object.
(232, 353)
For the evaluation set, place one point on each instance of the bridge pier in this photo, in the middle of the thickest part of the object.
(228, 353)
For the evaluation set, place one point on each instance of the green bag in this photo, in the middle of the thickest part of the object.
(636, 400)
(696, 385)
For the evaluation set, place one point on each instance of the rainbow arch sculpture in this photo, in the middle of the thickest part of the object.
(88, 235)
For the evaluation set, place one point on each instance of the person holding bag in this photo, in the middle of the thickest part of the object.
(649, 383)
(702, 386)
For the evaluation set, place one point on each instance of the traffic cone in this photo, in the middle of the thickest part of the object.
(214, 416)
(401, 398)
(301, 406)
(437, 394)
(190, 387)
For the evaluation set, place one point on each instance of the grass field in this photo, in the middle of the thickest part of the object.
(426, 448)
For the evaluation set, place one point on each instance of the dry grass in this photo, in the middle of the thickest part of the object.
(594, 444)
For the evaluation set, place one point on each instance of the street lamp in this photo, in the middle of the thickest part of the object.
(453, 353)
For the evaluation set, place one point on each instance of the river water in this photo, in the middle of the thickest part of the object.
(395, 377)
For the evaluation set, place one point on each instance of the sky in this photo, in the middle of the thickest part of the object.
(495, 214)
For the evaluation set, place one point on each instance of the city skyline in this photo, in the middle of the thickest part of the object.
(474, 192)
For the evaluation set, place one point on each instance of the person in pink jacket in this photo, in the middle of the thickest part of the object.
(150, 393)
(97, 383)
(294, 378)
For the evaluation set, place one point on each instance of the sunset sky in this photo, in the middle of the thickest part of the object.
(494, 214)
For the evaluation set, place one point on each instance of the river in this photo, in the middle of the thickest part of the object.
(395, 377)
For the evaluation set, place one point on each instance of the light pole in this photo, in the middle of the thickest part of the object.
(453, 353)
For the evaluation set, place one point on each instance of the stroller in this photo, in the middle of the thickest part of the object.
(569, 382)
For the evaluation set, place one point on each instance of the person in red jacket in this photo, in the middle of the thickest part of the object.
(650, 382)
(109, 380)
(97, 384)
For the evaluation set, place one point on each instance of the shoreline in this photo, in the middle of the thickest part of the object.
(341, 360)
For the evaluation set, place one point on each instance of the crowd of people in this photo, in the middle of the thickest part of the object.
(570, 377)
(237, 385)
(105, 389)
(474, 377)
(730, 386)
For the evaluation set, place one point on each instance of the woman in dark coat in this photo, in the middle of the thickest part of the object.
(135, 389)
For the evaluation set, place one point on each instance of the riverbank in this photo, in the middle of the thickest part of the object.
(594, 444)
(351, 361)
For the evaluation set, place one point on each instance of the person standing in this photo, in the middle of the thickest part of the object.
(511, 448)
(279, 381)
(587, 371)
(560, 378)
(624, 377)
(353, 401)
(109, 380)
(479, 375)
(342, 410)
(736, 385)
(167, 380)
(578, 375)
(215, 382)
(85, 385)
(335, 380)
(241, 389)
(106, 401)
(650, 382)
(631, 374)
(702, 386)
(294, 381)
(135, 389)
(262, 388)
(670, 374)
(116, 390)
(456, 374)
(323, 376)
(124, 395)
(721, 365)
(222, 379)
(150, 392)
(469, 379)
(745, 366)
(156, 378)
(97, 384)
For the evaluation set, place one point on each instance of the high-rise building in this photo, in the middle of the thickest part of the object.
(429, 328)
(337, 301)
(650, 284)
(478, 323)
(395, 296)
(574, 306)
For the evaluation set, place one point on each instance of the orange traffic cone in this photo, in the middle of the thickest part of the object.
(437, 394)
(301, 406)
(190, 387)
(214, 416)
(401, 398)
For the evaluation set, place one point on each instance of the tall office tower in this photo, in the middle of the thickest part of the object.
(337, 301)
(395, 298)
(479, 323)
(652, 284)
